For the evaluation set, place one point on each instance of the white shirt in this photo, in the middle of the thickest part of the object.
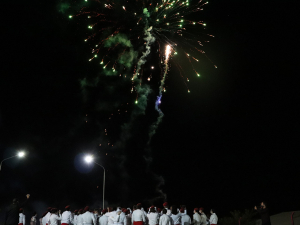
(196, 219)
(123, 219)
(88, 218)
(112, 217)
(168, 212)
(185, 219)
(44, 220)
(67, 217)
(138, 215)
(79, 220)
(176, 219)
(75, 219)
(47, 217)
(153, 218)
(213, 219)
(54, 218)
(103, 220)
(165, 220)
(22, 218)
(204, 217)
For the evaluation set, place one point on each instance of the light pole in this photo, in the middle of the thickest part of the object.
(90, 159)
(20, 155)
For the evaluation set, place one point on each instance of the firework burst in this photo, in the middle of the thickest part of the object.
(122, 34)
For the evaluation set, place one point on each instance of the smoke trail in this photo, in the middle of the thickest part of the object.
(154, 126)
(149, 40)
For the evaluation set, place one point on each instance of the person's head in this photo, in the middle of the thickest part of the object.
(173, 210)
(196, 210)
(96, 211)
(49, 209)
(125, 211)
(80, 211)
(139, 206)
(109, 209)
(67, 208)
(165, 205)
(164, 211)
(44, 214)
(21, 210)
(182, 210)
(134, 207)
(54, 210)
(201, 210)
(76, 212)
(212, 211)
(263, 204)
(34, 214)
(15, 201)
(86, 209)
(158, 210)
(152, 209)
(104, 211)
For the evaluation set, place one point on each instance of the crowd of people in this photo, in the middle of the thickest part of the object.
(120, 216)
(124, 216)
(117, 216)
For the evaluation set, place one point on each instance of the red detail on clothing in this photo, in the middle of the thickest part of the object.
(292, 218)
(213, 224)
(64, 224)
(138, 223)
(20, 223)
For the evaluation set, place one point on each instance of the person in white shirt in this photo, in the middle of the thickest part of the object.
(185, 219)
(213, 218)
(165, 219)
(138, 216)
(54, 218)
(88, 217)
(42, 219)
(67, 216)
(128, 216)
(97, 216)
(47, 217)
(75, 216)
(79, 217)
(196, 217)
(103, 219)
(21, 217)
(33, 219)
(112, 215)
(166, 206)
(159, 212)
(202, 214)
(175, 216)
(122, 218)
(153, 217)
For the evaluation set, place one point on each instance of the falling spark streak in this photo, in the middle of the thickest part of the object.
(154, 126)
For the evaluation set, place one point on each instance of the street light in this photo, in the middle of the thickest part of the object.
(20, 155)
(90, 159)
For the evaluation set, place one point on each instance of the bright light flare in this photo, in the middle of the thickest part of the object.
(21, 154)
(89, 159)
(168, 52)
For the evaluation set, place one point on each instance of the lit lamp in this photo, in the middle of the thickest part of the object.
(20, 155)
(90, 159)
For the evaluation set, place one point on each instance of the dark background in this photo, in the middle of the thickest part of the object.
(230, 144)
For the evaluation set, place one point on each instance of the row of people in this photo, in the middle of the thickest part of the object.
(123, 216)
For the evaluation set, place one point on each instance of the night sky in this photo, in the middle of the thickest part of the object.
(229, 144)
